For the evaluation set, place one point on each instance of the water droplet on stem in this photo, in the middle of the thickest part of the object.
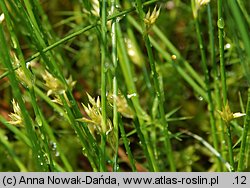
(221, 23)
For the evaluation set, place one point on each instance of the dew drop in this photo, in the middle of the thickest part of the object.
(117, 167)
(200, 98)
(120, 17)
(54, 146)
(46, 157)
(220, 23)
(227, 46)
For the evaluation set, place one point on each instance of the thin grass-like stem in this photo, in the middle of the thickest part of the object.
(164, 123)
(126, 145)
(115, 86)
(221, 25)
(103, 46)
(245, 133)
(216, 75)
(179, 60)
(243, 30)
(11, 152)
(27, 121)
(140, 114)
(207, 81)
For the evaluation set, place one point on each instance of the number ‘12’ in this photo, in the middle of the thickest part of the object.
(240, 179)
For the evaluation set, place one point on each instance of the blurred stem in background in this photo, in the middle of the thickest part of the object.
(195, 8)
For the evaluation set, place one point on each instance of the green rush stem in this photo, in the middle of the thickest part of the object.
(243, 31)
(103, 11)
(83, 129)
(132, 36)
(40, 122)
(11, 152)
(32, 88)
(19, 134)
(220, 24)
(26, 72)
(115, 86)
(32, 25)
(126, 144)
(54, 67)
(243, 10)
(58, 147)
(177, 65)
(230, 147)
(216, 79)
(30, 9)
(208, 90)
(128, 76)
(154, 73)
(87, 28)
(171, 48)
(29, 82)
(48, 129)
(77, 33)
(48, 100)
(208, 146)
(244, 136)
(175, 51)
(83, 138)
(49, 133)
(5, 59)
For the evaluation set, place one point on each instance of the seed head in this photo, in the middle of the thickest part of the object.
(16, 117)
(122, 105)
(227, 115)
(202, 2)
(150, 18)
(53, 84)
(71, 83)
(93, 110)
(197, 4)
